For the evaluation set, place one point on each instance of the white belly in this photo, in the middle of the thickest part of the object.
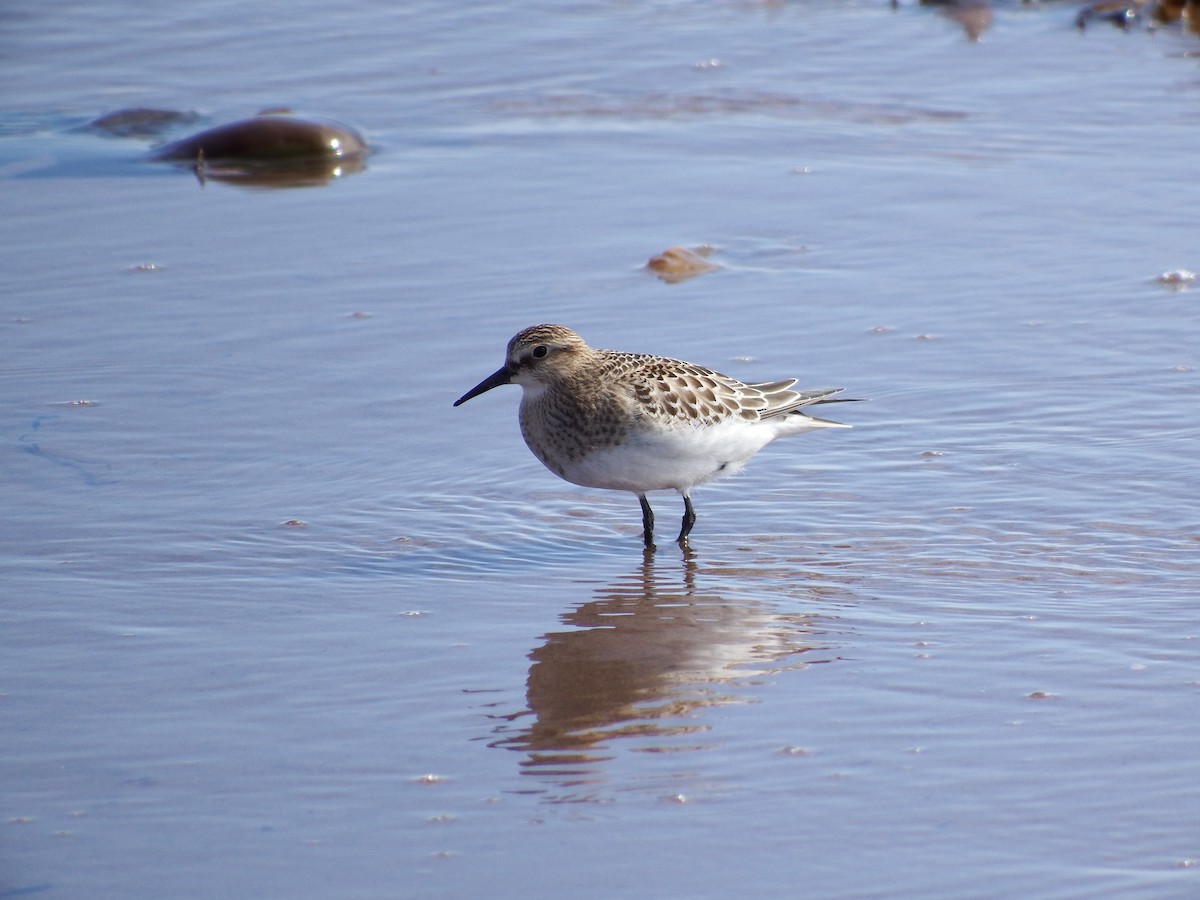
(679, 458)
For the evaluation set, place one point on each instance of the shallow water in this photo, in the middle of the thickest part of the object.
(277, 621)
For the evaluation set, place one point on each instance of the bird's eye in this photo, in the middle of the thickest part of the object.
(540, 350)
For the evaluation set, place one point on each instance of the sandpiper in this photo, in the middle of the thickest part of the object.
(632, 422)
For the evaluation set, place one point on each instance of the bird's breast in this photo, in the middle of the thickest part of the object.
(637, 455)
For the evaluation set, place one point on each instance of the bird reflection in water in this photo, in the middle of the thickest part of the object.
(643, 659)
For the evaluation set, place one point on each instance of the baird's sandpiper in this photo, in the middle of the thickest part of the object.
(632, 422)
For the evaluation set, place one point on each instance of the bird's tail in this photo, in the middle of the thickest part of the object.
(815, 398)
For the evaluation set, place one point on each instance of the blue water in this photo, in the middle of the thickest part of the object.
(278, 621)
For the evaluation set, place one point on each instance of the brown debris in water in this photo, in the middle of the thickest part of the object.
(677, 264)
(975, 16)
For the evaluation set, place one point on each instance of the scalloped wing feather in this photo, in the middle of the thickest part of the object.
(686, 393)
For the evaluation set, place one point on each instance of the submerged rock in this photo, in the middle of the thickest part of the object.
(1128, 13)
(1178, 279)
(140, 121)
(270, 150)
(266, 140)
(1122, 13)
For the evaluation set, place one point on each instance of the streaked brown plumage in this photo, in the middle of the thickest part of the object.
(633, 422)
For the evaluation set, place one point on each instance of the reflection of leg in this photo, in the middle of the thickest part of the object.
(647, 521)
(689, 519)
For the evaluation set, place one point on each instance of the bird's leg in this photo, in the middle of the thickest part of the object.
(647, 521)
(689, 519)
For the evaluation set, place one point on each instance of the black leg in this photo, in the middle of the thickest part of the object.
(647, 521)
(689, 519)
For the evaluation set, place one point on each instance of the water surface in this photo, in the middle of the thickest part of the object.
(277, 621)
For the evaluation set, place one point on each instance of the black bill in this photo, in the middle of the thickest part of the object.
(500, 376)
